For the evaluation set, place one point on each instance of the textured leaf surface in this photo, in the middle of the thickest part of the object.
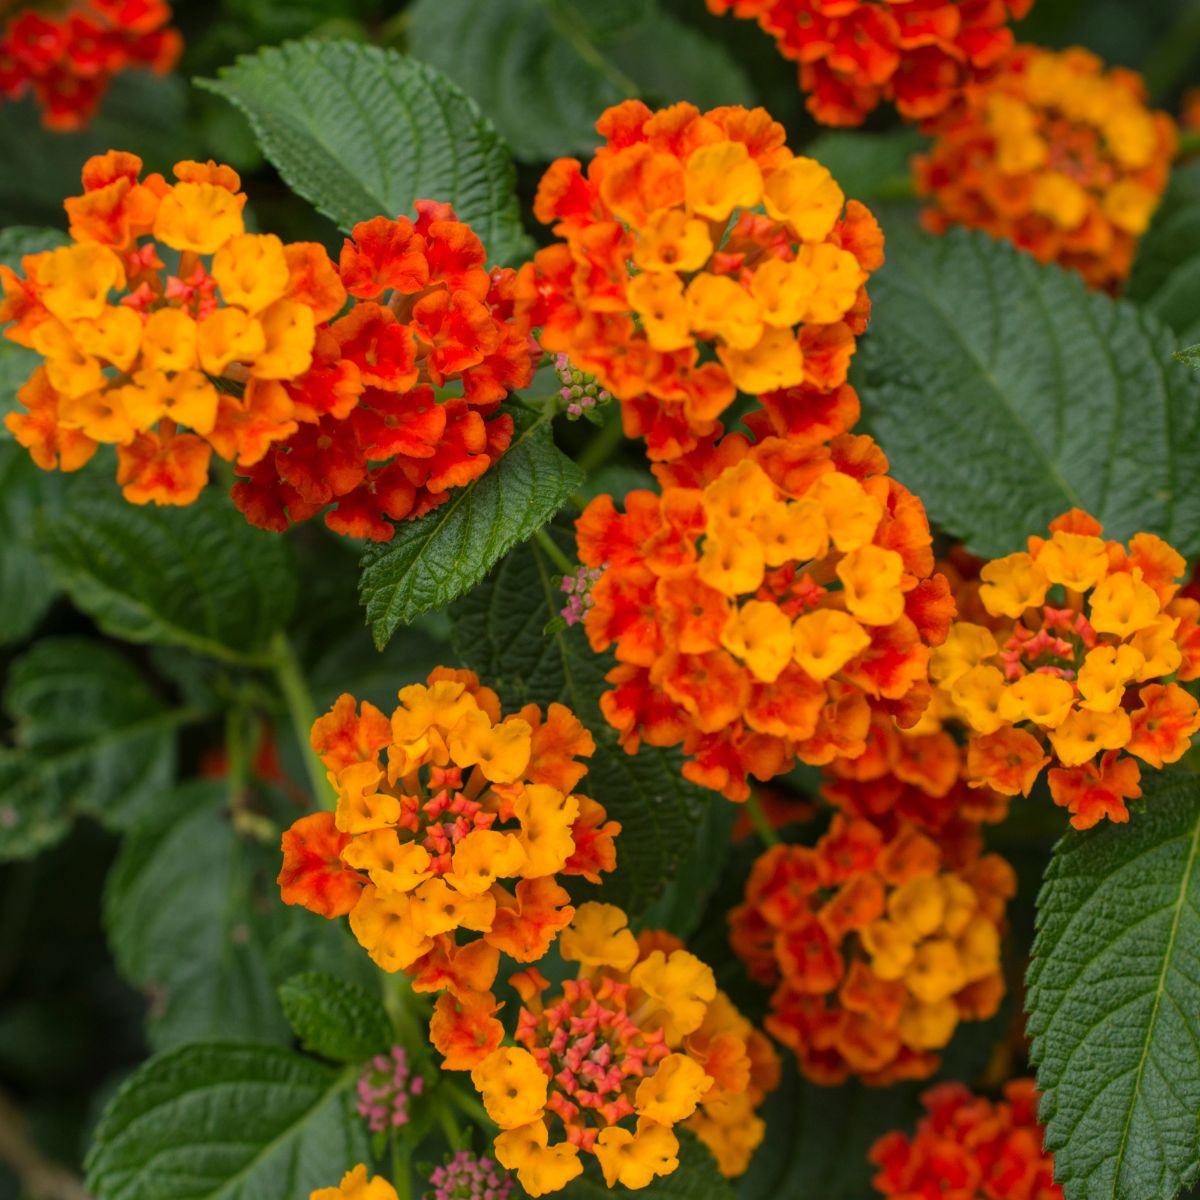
(361, 131)
(1004, 393)
(334, 1018)
(26, 585)
(1112, 1000)
(181, 917)
(696, 1178)
(498, 632)
(544, 70)
(435, 559)
(197, 577)
(224, 1121)
(90, 736)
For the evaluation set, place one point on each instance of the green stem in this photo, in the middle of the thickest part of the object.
(600, 449)
(895, 187)
(401, 1004)
(450, 1126)
(758, 819)
(553, 553)
(469, 1105)
(1189, 142)
(302, 711)
(237, 758)
(401, 1167)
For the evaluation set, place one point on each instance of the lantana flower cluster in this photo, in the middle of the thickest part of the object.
(608, 1062)
(699, 257)
(764, 603)
(385, 1088)
(400, 406)
(1079, 668)
(855, 54)
(68, 58)
(877, 944)
(967, 1146)
(451, 820)
(1058, 156)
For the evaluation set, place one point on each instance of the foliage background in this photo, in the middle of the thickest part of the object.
(149, 917)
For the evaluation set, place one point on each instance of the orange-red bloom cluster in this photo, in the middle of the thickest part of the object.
(699, 258)
(375, 438)
(68, 59)
(853, 54)
(765, 602)
(449, 818)
(969, 1148)
(876, 944)
(1078, 665)
(639, 1041)
(1056, 155)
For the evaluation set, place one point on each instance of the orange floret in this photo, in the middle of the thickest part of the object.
(1056, 155)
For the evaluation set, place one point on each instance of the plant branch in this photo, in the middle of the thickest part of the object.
(40, 1178)
(553, 553)
(608, 437)
(302, 711)
(758, 818)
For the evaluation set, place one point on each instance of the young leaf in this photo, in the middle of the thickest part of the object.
(197, 577)
(1112, 1000)
(181, 918)
(334, 1018)
(26, 586)
(498, 631)
(224, 1121)
(1005, 393)
(91, 737)
(361, 132)
(433, 560)
(1189, 356)
(564, 62)
(696, 1178)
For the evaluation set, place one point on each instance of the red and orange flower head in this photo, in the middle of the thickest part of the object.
(855, 54)
(67, 59)
(639, 1041)
(134, 351)
(699, 258)
(1057, 156)
(451, 820)
(762, 604)
(876, 946)
(1079, 669)
(375, 439)
(970, 1147)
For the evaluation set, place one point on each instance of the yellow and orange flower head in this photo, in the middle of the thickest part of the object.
(699, 258)
(1056, 155)
(638, 1042)
(763, 604)
(971, 1146)
(1079, 668)
(855, 54)
(451, 821)
(876, 945)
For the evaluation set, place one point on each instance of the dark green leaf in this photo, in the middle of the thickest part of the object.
(544, 70)
(696, 1178)
(198, 577)
(26, 585)
(435, 559)
(91, 737)
(1005, 393)
(868, 165)
(223, 1121)
(1112, 1000)
(181, 913)
(499, 633)
(361, 131)
(334, 1018)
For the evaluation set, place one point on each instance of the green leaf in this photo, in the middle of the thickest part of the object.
(544, 70)
(1189, 356)
(498, 632)
(91, 736)
(334, 1018)
(868, 165)
(435, 559)
(198, 577)
(361, 131)
(26, 586)
(181, 909)
(1112, 1000)
(1004, 393)
(696, 1178)
(16, 362)
(224, 1121)
(1166, 273)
